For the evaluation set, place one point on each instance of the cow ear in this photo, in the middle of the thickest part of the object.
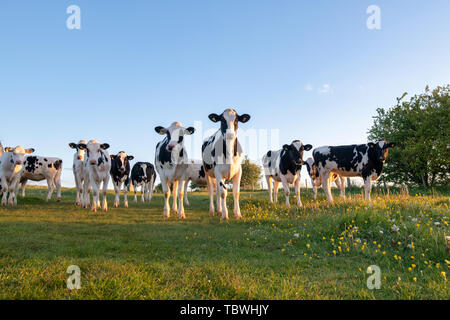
(214, 117)
(130, 158)
(104, 146)
(286, 147)
(371, 145)
(8, 149)
(190, 130)
(391, 145)
(73, 145)
(244, 118)
(307, 147)
(29, 150)
(82, 146)
(160, 130)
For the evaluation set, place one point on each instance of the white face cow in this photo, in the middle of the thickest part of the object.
(222, 157)
(78, 168)
(120, 174)
(97, 166)
(316, 180)
(171, 163)
(11, 167)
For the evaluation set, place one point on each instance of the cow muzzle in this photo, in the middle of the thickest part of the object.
(80, 158)
(170, 147)
(18, 162)
(93, 162)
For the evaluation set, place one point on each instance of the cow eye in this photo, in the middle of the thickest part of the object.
(180, 139)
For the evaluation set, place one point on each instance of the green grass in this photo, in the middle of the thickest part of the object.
(316, 252)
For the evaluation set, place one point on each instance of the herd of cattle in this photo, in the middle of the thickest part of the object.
(221, 161)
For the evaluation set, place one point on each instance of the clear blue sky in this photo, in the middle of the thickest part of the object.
(310, 69)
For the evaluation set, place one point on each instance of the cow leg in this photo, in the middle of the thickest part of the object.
(166, 190)
(4, 190)
(276, 184)
(223, 198)
(135, 191)
(150, 187)
(315, 185)
(286, 190)
(181, 195)
(51, 187)
(236, 193)
(186, 200)
(143, 191)
(297, 191)
(174, 197)
(95, 196)
(23, 184)
(57, 182)
(269, 187)
(105, 189)
(79, 186)
(117, 186)
(326, 186)
(367, 188)
(125, 192)
(210, 185)
(340, 183)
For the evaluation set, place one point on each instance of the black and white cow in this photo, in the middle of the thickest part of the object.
(120, 174)
(363, 160)
(196, 174)
(11, 168)
(316, 181)
(143, 175)
(222, 158)
(38, 168)
(97, 167)
(78, 168)
(171, 162)
(284, 166)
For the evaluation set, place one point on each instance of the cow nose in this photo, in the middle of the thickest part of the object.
(18, 162)
(170, 147)
(93, 161)
(79, 157)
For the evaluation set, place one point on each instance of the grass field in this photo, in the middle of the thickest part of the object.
(316, 252)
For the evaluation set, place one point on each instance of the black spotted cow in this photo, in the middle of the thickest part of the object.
(78, 168)
(196, 174)
(120, 175)
(143, 175)
(171, 162)
(363, 160)
(97, 167)
(316, 181)
(11, 168)
(284, 166)
(222, 158)
(38, 168)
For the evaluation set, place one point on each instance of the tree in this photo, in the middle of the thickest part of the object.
(421, 129)
(251, 173)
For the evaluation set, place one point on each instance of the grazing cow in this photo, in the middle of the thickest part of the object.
(171, 164)
(222, 158)
(196, 174)
(97, 166)
(316, 181)
(78, 168)
(284, 166)
(38, 168)
(363, 160)
(143, 175)
(120, 174)
(11, 167)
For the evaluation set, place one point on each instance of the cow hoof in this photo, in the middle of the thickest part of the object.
(223, 218)
(58, 200)
(126, 205)
(181, 217)
(238, 216)
(166, 216)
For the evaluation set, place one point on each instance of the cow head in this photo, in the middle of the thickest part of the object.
(175, 134)
(80, 152)
(122, 161)
(18, 154)
(311, 167)
(294, 152)
(229, 120)
(94, 151)
(378, 151)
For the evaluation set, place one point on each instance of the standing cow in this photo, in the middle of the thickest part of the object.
(363, 160)
(11, 167)
(196, 174)
(171, 164)
(143, 175)
(97, 166)
(78, 168)
(284, 166)
(120, 174)
(38, 168)
(222, 158)
(316, 181)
